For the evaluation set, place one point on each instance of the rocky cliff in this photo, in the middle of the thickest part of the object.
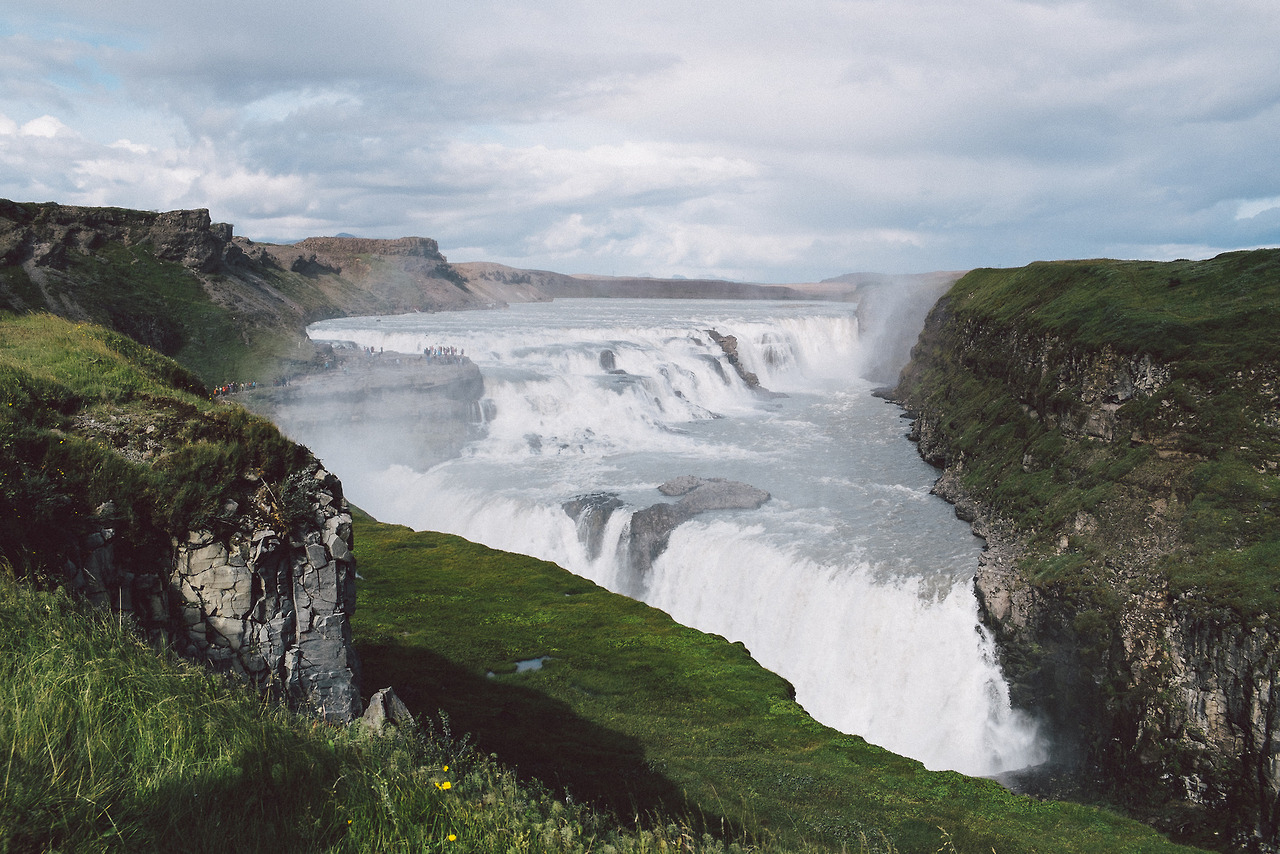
(223, 539)
(1113, 430)
(253, 594)
(224, 306)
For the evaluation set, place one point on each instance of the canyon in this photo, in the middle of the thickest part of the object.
(1125, 481)
(1118, 458)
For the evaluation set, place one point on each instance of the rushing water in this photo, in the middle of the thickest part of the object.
(853, 581)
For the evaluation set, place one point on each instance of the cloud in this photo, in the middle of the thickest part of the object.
(1250, 208)
(45, 126)
(802, 140)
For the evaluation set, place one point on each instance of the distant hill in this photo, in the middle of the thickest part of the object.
(224, 306)
(553, 285)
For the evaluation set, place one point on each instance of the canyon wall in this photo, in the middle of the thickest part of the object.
(253, 593)
(1127, 498)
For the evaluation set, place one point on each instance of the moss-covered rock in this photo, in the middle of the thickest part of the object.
(219, 535)
(1113, 429)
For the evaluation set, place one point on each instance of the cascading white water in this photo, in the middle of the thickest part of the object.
(853, 582)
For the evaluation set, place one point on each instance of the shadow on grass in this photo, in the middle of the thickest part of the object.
(536, 735)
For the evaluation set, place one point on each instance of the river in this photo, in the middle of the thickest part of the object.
(852, 581)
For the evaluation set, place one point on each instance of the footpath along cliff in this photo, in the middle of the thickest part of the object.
(1113, 430)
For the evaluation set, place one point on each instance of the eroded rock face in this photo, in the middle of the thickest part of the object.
(188, 237)
(650, 528)
(267, 601)
(1169, 696)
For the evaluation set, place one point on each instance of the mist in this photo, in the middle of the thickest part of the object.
(851, 580)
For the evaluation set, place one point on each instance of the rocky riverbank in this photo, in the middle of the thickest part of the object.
(1126, 485)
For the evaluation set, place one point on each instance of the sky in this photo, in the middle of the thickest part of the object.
(764, 141)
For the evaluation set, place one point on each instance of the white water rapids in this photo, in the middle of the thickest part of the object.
(853, 582)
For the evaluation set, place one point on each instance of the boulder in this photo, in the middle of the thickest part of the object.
(650, 528)
(384, 709)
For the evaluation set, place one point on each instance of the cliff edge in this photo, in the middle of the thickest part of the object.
(220, 537)
(1113, 430)
(226, 307)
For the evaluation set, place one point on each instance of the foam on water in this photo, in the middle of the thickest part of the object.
(852, 582)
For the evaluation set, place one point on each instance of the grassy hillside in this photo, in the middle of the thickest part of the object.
(634, 711)
(1206, 445)
(87, 417)
(109, 745)
(1208, 316)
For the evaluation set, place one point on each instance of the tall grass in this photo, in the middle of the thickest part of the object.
(108, 745)
(88, 416)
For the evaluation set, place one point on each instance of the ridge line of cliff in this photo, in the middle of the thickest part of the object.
(1122, 466)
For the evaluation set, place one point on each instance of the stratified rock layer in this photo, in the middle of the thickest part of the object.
(268, 600)
(1170, 697)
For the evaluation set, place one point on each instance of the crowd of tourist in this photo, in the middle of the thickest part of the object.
(437, 354)
(445, 355)
(232, 388)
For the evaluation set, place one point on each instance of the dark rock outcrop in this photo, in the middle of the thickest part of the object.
(650, 529)
(592, 513)
(1167, 694)
(43, 235)
(729, 344)
(267, 601)
(386, 709)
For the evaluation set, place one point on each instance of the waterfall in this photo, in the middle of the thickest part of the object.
(852, 581)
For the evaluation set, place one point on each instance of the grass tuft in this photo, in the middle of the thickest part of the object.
(108, 745)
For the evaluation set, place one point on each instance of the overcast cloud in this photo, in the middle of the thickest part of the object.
(770, 141)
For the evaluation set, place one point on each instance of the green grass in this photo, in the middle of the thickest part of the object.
(1206, 315)
(638, 713)
(108, 745)
(88, 416)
